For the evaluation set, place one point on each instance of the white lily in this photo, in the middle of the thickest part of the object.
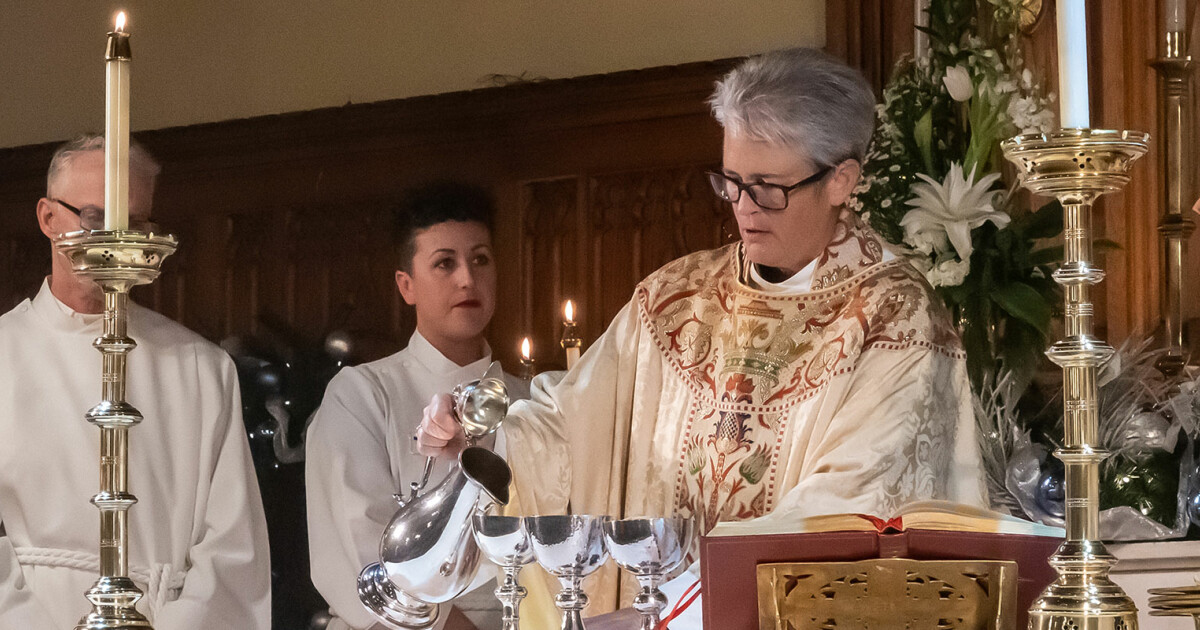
(944, 213)
(948, 273)
(958, 83)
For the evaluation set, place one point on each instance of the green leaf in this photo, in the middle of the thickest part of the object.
(1046, 256)
(1022, 353)
(1045, 222)
(1024, 303)
(923, 135)
(1054, 255)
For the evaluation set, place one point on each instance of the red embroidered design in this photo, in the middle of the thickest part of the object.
(747, 358)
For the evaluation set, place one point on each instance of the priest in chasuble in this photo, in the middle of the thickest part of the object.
(198, 538)
(806, 369)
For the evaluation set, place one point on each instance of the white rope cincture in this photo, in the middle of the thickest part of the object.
(161, 581)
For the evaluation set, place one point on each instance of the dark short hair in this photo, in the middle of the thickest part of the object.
(436, 203)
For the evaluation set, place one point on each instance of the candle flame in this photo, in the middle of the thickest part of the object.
(569, 312)
(121, 21)
(525, 350)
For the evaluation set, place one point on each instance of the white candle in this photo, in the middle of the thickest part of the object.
(572, 356)
(571, 343)
(116, 129)
(1176, 21)
(526, 359)
(920, 38)
(1072, 65)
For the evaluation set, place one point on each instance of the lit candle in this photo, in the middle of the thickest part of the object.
(116, 128)
(570, 339)
(1072, 65)
(1174, 15)
(526, 359)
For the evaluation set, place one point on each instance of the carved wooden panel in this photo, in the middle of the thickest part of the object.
(592, 238)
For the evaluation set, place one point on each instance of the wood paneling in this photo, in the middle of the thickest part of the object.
(285, 221)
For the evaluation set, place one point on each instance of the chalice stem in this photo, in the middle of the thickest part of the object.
(571, 601)
(650, 602)
(510, 595)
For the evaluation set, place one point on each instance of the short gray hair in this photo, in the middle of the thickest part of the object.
(141, 162)
(801, 98)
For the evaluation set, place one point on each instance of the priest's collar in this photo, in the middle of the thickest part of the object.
(59, 315)
(800, 282)
(436, 362)
(854, 248)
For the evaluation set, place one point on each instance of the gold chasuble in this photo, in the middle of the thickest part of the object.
(713, 397)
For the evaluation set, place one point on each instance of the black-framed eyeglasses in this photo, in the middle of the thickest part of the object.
(764, 195)
(92, 218)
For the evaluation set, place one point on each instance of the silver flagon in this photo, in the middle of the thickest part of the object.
(428, 555)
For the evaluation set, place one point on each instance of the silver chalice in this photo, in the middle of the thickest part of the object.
(649, 549)
(504, 541)
(570, 548)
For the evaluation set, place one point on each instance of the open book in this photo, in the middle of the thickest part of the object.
(928, 530)
(934, 515)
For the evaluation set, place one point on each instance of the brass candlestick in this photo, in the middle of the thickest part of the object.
(1175, 69)
(117, 261)
(1076, 166)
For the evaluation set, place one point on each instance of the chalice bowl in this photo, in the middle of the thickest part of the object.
(649, 549)
(570, 548)
(505, 541)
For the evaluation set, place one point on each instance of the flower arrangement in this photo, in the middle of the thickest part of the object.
(933, 184)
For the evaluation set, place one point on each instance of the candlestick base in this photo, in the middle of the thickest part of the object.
(113, 600)
(1083, 597)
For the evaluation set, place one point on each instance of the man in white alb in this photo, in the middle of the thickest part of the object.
(360, 447)
(197, 536)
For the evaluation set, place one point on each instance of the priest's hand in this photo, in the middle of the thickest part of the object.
(440, 434)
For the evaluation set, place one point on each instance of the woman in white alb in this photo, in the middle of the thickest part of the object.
(360, 447)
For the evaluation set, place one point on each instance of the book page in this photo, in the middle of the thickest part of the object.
(936, 515)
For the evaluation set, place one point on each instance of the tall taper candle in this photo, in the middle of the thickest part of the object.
(527, 370)
(920, 38)
(116, 128)
(571, 342)
(1174, 15)
(1073, 65)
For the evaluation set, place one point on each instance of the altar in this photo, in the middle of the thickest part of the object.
(1145, 565)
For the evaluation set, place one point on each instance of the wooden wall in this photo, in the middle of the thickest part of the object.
(285, 220)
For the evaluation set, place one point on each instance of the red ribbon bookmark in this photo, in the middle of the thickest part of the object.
(681, 605)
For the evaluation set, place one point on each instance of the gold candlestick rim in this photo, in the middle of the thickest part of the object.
(1076, 162)
(126, 256)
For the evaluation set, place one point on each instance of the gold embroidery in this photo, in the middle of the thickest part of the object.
(748, 356)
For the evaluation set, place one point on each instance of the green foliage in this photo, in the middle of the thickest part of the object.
(1005, 301)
